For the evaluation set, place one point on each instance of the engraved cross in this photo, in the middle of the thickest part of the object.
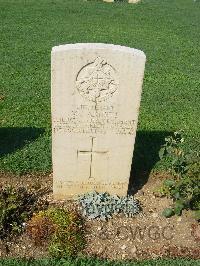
(97, 78)
(91, 152)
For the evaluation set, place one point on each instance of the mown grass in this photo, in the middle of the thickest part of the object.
(95, 262)
(166, 30)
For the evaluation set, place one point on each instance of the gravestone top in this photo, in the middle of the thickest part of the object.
(65, 47)
(96, 90)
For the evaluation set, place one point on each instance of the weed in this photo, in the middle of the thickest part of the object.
(16, 206)
(184, 187)
(64, 230)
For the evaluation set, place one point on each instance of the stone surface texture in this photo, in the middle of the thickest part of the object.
(96, 91)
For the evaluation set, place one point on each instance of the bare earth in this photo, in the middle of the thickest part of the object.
(147, 235)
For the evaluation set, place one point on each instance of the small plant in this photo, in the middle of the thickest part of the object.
(16, 206)
(40, 228)
(102, 205)
(172, 150)
(184, 187)
(62, 229)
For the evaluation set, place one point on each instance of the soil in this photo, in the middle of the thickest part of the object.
(147, 235)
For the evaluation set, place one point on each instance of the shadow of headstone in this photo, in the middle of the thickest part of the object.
(14, 138)
(145, 156)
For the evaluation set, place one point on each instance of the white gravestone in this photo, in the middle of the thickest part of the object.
(96, 91)
(133, 1)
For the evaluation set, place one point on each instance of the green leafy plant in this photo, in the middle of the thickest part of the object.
(16, 206)
(102, 205)
(63, 230)
(184, 187)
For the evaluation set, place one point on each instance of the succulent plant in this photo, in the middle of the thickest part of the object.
(102, 205)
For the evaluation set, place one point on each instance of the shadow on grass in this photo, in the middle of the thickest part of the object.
(14, 138)
(145, 156)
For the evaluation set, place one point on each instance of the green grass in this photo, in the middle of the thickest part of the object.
(95, 262)
(167, 31)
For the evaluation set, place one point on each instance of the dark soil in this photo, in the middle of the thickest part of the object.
(147, 235)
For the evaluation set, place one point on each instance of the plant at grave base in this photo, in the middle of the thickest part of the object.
(16, 206)
(40, 228)
(103, 206)
(184, 187)
(63, 231)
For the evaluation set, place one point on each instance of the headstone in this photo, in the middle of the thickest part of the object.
(133, 1)
(96, 90)
(109, 1)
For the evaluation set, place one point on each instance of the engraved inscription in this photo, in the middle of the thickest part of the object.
(91, 185)
(97, 81)
(91, 119)
(124, 127)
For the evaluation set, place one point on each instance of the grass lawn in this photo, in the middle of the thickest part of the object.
(168, 31)
(93, 262)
